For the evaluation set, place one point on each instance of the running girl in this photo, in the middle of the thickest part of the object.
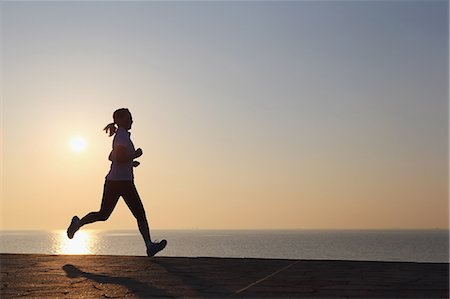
(120, 182)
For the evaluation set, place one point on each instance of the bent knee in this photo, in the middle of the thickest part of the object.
(102, 216)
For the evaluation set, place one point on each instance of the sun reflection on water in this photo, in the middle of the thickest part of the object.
(82, 243)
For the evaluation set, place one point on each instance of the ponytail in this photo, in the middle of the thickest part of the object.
(117, 116)
(111, 129)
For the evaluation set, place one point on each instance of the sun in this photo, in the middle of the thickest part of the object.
(77, 144)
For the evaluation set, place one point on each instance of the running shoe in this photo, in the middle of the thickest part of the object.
(154, 248)
(74, 226)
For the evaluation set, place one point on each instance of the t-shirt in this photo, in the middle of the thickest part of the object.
(121, 171)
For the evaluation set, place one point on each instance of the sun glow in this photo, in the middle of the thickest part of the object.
(77, 144)
(82, 243)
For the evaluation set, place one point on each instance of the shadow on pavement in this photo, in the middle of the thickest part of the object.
(135, 287)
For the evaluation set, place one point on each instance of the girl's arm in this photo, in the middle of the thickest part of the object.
(122, 156)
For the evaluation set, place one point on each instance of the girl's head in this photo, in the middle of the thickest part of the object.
(122, 118)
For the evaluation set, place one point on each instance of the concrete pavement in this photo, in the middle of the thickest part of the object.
(91, 276)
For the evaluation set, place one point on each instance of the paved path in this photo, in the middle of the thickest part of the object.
(91, 276)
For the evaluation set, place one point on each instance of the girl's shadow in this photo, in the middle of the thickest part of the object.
(135, 287)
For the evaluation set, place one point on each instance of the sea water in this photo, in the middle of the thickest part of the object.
(369, 245)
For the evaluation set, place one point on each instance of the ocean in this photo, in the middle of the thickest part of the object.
(367, 245)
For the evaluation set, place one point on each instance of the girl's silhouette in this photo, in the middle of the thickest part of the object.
(120, 182)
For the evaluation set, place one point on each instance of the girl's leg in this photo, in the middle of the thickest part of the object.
(111, 195)
(134, 203)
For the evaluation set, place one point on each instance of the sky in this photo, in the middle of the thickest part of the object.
(250, 114)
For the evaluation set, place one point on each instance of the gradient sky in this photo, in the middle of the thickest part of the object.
(269, 115)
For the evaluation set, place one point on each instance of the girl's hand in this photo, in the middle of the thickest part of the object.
(136, 163)
(137, 153)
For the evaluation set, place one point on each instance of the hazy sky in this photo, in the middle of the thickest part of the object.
(296, 114)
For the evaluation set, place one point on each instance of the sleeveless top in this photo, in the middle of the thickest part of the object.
(121, 171)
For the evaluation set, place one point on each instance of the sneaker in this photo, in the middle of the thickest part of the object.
(74, 226)
(154, 248)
